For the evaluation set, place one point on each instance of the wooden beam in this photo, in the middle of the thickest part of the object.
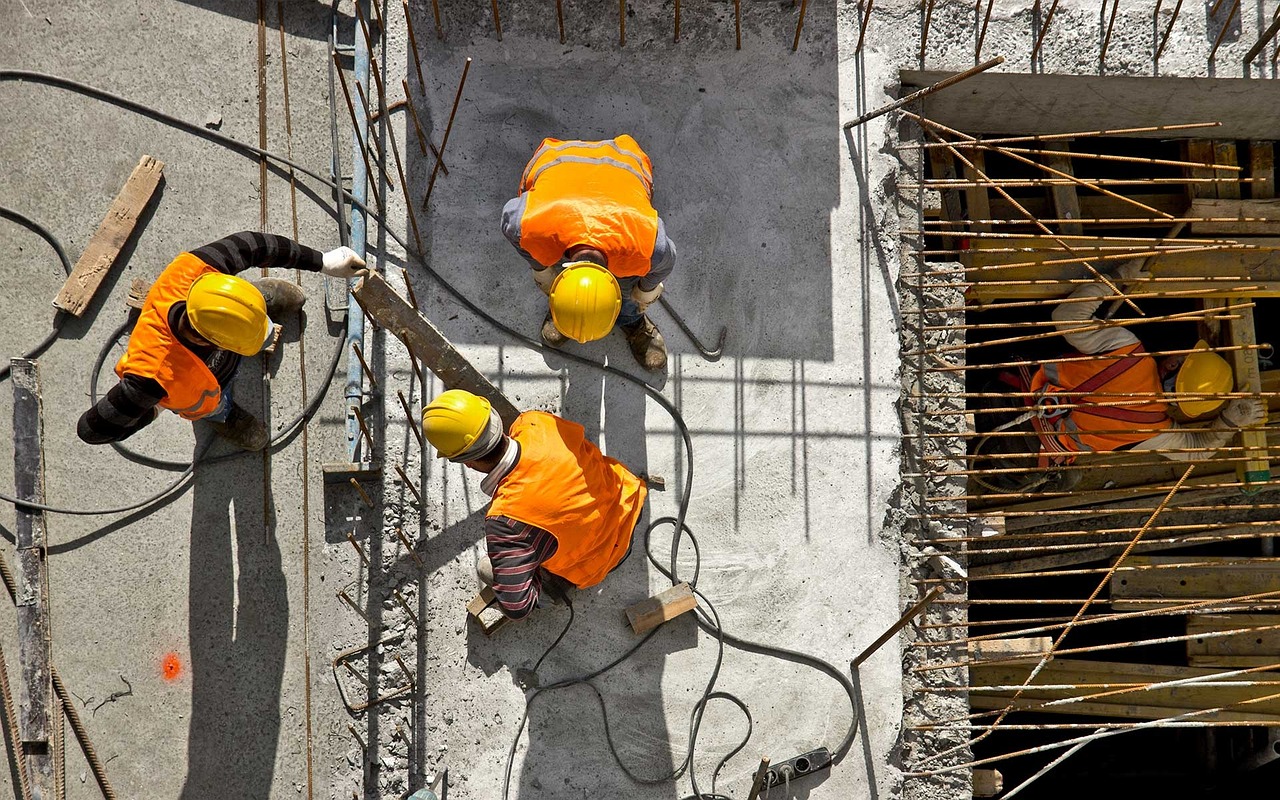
(987, 782)
(1066, 201)
(34, 643)
(427, 344)
(977, 199)
(1262, 169)
(1243, 217)
(944, 168)
(1257, 469)
(1200, 151)
(483, 608)
(1224, 152)
(1225, 651)
(1097, 206)
(666, 605)
(110, 238)
(1010, 651)
(1174, 579)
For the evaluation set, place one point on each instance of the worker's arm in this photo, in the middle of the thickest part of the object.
(512, 212)
(516, 550)
(1241, 412)
(129, 407)
(662, 262)
(1079, 314)
(247, 249)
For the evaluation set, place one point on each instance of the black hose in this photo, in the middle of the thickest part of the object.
(59, 316)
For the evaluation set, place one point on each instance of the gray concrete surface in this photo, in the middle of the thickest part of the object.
(787, 232)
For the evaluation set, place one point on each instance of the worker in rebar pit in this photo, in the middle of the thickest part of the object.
(199, 321)
(585, 221)
(1118, 402)
(562, 512)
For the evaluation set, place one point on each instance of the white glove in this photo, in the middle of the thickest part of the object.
(1244, 412)
(342, 263)
(1134, 270)
(645, 299)
(544, 278)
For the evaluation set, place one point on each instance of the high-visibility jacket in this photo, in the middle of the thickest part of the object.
(590, 193)
(190, 389)
(1094, 425)
(565, 485)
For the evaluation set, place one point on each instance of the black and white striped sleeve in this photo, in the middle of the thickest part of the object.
(129, 407)
(247, 249)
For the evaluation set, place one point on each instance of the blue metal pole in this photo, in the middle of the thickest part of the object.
(355, 314)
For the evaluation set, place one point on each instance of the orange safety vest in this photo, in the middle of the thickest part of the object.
(1094, 425)
(590, 193)
(564, 484)
(190, 390)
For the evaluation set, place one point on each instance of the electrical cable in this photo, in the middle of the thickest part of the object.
(59, 316)
(710, 624)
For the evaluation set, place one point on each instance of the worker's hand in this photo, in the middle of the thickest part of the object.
(342, 263)
(544, 278)
(1134, 270)
(645, 299)
(1244, 412)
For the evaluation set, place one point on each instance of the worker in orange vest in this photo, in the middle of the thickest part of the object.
(584, 219)
(562, 512)
(198, 322)
(1127, 399)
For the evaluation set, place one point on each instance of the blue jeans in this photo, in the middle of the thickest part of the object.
(225, 404)
(630, 313)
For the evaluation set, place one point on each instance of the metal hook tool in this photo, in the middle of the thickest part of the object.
(708, 354)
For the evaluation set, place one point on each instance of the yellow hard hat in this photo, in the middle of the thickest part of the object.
(1203, 372)
(585, 301)
(228, 311)
(460, 425)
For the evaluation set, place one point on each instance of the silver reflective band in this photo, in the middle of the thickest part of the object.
(485, 442)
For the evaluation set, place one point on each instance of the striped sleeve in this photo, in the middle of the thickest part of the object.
(247, 249)
(126, 409)
(517, 550)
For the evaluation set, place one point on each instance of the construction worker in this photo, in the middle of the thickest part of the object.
(584, 219)
(198, 322)
(1117, 402)
(562, 512)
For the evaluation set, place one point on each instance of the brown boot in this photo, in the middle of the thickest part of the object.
(551, 335)
(283, 297)
(243, 429)
(647, 344)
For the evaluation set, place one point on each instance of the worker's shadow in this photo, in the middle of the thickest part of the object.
(239, 613)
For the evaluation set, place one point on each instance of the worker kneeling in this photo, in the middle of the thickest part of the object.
(562, 511)
(198, 322)
(585, 221)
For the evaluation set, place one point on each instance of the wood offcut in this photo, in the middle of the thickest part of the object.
(666, 605)
(110, 238)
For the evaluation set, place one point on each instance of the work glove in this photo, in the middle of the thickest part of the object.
(1244, 412)
(1134, 270)
(342, 263)
(544, 278)
(645, 299)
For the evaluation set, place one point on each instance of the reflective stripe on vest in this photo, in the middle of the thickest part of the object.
(155, 352)
(1124, 376)
(597, 194)
(564, 484)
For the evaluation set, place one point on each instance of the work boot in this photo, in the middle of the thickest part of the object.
(647, 344)
(283, 297)
(551, 335)
(243, 429)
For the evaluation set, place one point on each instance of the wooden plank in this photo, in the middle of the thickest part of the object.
(666, 605)
(944, 168)
(137, 296)
(1174, 578)
(1202, 152)
(987, 782)
(35, 713)
(1010, 651)
(1224, 152)
(427, 344)
(1231, 662)
(1066, 200)
(1261, 643)
(110, 238)
(1097, 206)
(1245, 217)
(977, 199)
(1148, 704)
(1262, 169)
(483, 608)
(1257, 467)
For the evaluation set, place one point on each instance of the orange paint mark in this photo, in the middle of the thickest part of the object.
(170, 666)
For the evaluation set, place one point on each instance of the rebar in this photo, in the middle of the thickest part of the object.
(1111, 23)
(352, 539)
(444, 143)
(409, 548)
(928, 90)
(364, 365)
(413, 47)
(1044, 29)
(355, 129)
(1226, 26)
(497, 19)
(82, 736)
(404, 403)
(804, 6)
(1164, 40)
(423, 141)
(11, 725)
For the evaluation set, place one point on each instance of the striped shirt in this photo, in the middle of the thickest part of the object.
(131, 404)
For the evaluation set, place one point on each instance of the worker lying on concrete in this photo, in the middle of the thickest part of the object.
(198, 322)
(562, 512)
(584, 219)
(1117, 402)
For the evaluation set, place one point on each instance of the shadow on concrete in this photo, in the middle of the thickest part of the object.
(309, 18)
(239, 619)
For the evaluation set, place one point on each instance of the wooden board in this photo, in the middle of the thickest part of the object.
(1097, 206)
(944, 168)
(1170, 582)
(1257, 469)
(1244, 217)
(1148, 704)
(427, 344)
(666, 605)
(110, 238)
(976, 198)
(1202, 152)
(1010, 651)
(1224, 152)
(1260, 643)
(1262, 169)
(483, 608)
(987, 782)
(1066, 200)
